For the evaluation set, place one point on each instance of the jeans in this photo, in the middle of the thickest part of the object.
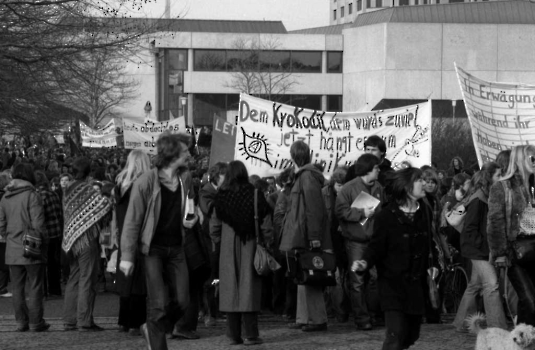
(81, 289)
(238, 320)
(190, 319)
(402, 330)
(167, 277)
(30, 313)
(485, 280)
(523, 280)
(53, 268)
(338, 295)
(358, 283)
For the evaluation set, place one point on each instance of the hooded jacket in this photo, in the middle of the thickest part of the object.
(306, 219)
(21, 208)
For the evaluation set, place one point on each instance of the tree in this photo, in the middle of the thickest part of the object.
(453, 138)
(260, 68)
(44, 44)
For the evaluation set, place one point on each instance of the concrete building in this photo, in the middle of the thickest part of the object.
(392, 56)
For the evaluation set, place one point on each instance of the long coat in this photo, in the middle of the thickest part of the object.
(399, 248)
(240, 287)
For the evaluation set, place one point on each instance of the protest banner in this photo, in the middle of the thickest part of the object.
(144, 135)
(105, 137)
(223, 141)
(501, 115)
(266, 130)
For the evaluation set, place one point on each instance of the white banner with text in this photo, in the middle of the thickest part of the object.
(266, 130)
(105, 137)
(144, 136)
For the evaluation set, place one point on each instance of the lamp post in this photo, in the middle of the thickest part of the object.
(453, 104)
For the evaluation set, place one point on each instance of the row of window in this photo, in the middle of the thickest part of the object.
(272, 61)
(205, 106)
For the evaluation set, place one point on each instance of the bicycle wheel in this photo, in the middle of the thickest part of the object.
(455, 283)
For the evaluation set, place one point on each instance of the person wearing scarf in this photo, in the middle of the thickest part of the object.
(85, 210)
(233, 227)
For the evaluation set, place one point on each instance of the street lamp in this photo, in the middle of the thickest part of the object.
(453, 104)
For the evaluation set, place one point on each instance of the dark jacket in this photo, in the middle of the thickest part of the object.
(496, 223)
(399, 249)
(329, 197)
(349, 217)
(384, 168)
(307, 215)
(21, 208)
(474, 244)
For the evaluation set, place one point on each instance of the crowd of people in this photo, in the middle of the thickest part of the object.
(180, 242)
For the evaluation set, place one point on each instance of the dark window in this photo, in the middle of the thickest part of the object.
(209, 60)
(378, 3)
(306, 61)
(334, 14)
(424, 2)
(306, 101)
(350, 9)
(233, 102)
(415, 2)
(205, 106)
(334, 103)
(359, 5)
(334, 62)
(341, 12)
(452, 1)
(403, 2)
(368, 4)
(274, 61)
(178, 59)
(242, 60)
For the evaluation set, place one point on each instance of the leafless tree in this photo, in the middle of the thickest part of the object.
(260, 68)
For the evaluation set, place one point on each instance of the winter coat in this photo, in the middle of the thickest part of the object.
(399, 249)
(384, 168)
(21, 208)
(329, 198)
(134, 284)
(143, 212)
(474, 244)
(306, 219)
(240, 287)
(349, 217)
(498, 241)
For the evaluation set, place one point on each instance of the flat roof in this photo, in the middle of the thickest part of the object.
(487, 12)
(335, 29)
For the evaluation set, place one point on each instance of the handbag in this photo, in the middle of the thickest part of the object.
(455, 217)
(263, 262)
(315, 268)
(32, 242)
(432, 272)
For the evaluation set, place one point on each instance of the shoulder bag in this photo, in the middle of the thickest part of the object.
(31, 240)
(264, 263)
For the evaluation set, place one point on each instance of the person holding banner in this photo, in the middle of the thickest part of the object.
(510, 219)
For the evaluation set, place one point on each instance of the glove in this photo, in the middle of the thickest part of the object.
(127, 267)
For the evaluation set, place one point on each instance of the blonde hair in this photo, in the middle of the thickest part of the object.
(519, 163)
(136, 164)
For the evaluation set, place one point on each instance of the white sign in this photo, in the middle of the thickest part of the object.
(266, 130)
(144, 136)
(105, 137)
(501, 115)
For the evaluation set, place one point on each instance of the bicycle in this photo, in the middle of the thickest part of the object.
(455, 281)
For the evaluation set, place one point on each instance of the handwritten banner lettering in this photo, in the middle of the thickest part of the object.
(501, 115)
(266, 130)
(144, 136)
(105, 137)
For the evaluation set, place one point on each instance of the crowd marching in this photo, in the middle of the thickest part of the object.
(181, 243)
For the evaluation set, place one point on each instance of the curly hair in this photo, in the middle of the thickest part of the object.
(170, 147)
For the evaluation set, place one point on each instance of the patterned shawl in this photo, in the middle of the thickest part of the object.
(83, 208)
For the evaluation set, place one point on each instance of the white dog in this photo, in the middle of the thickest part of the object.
(522, 337)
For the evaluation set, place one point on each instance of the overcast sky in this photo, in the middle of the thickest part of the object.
(295, 14)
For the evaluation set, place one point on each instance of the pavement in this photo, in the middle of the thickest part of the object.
(273, 330)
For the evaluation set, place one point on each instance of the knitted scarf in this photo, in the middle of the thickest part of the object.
(236, 208)
(83, 208)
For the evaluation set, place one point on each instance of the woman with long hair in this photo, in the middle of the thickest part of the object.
(510, 210)
(474, 246)
(233, 225)
(20, 210)
(399, 248)
(131, 289)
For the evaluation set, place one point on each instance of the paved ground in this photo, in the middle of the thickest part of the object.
(272, 329)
